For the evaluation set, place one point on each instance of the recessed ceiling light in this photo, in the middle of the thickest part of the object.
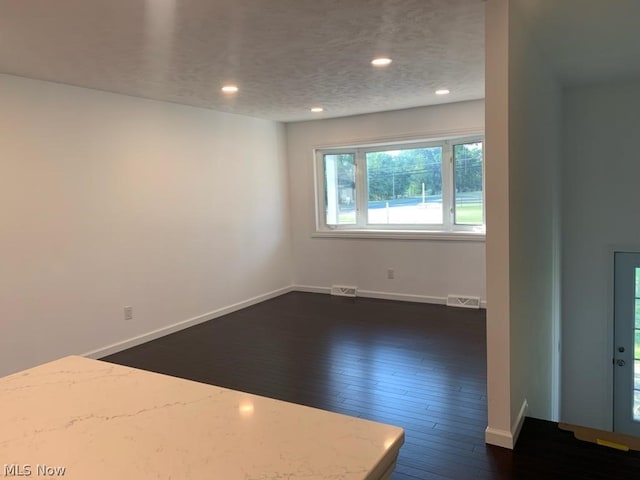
(230, 89)
(317, 109)
(380, 62)
(443, 91)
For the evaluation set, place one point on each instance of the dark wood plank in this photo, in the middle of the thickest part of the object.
(422, 367)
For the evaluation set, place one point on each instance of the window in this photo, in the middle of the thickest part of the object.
(430, 187)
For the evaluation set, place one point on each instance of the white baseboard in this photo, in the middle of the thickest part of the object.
(505, 438)
(161, 332)
(311, 289)
(519, 421)
(404, 297)
(498, 437)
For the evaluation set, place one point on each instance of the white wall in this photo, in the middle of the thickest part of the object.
(423, 268)
(535, 126)
(600, 213)
(110, 201)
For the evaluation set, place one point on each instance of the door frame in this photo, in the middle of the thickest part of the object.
(611, 330)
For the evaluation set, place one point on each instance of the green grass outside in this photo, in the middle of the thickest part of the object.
(469, 213)
(637, 331)
(347, 218)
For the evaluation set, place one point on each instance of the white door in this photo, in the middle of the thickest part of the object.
(626, 361)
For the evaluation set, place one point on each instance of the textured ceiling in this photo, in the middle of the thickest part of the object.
(285, 55)
(587, 41)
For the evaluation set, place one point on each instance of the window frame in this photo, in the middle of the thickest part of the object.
(447, 230)
(466, 226)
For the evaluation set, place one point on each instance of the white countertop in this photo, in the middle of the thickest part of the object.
(100, 421)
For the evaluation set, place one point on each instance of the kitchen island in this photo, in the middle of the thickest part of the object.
(79, 418)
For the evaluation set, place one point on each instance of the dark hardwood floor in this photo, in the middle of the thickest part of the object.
(418, 366)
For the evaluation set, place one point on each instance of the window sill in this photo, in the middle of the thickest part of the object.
(402, 235)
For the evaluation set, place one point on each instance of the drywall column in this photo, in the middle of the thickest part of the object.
(499, 430)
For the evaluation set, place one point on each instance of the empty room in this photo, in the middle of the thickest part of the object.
(361, 239)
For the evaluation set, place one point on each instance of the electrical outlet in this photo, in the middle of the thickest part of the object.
(128, 313)
(391, 274)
